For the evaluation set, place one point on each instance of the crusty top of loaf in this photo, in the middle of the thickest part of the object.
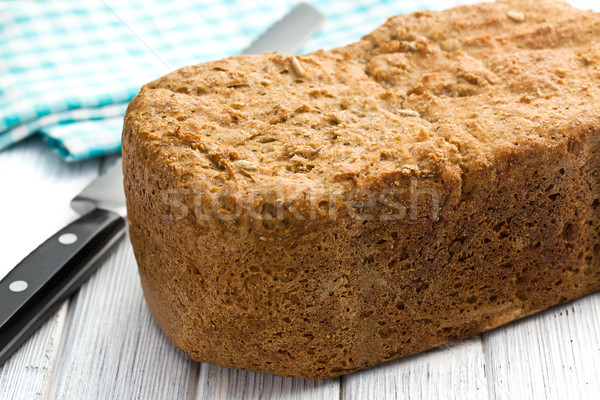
(425, 91)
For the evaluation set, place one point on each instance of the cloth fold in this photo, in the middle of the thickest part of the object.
(68, 69)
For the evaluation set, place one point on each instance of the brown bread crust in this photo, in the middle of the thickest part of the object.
(436, 179)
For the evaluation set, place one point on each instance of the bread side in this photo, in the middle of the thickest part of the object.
(436, 179)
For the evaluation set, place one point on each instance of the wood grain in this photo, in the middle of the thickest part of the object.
(27, 374)
(552, 355)
(112, 348)
(222, 383)
(453, 371)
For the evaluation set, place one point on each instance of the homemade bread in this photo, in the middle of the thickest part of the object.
(315, 215)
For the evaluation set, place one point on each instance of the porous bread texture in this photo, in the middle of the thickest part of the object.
(436, 179)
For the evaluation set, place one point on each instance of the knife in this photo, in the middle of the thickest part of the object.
(38, 285)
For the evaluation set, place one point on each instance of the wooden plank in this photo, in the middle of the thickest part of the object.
(28, 372)
(113, 348)
(223, 383)
(36, 189)
(552, 355)
(453, 371)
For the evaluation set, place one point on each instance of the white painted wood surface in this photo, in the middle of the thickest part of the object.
(552, 355)
(103, 343)
(215, 383)
(452, 371)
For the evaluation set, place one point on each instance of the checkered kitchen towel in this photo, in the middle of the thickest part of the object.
(69, 68)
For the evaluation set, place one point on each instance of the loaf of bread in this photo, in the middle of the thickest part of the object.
(315, 215)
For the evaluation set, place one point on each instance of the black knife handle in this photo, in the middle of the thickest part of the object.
(32, 290)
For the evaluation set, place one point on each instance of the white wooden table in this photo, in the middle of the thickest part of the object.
(103, 343)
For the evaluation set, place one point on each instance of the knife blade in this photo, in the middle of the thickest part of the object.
(52, 272)
(289, 33)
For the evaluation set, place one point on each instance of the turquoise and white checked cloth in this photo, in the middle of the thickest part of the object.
(69, 68)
